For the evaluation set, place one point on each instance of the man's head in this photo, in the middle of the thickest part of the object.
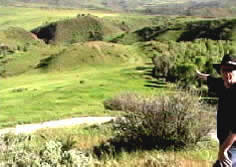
(227, 69)
(228, 74)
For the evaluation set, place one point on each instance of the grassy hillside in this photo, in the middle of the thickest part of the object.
(81, 92)
(30, 18)
(219, 29)
(53, 82)
(111, 23)
(89, 54)
(22, 51)
(21, 61)
(14, 37)
(61, 58)
(91, 28)
(74, 83)
(80, 29)
(14, 44)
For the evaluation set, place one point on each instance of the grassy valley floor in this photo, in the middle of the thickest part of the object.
(78, 92)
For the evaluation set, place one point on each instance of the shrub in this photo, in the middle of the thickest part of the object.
(185, 75)
(124, 102)
(177, 120)
(163, 65)
(19, 151)
(53, 155)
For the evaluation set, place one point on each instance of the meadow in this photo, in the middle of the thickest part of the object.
(58, 95)
(41, 82)
(29, 18)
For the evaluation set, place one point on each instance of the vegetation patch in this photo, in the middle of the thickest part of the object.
(219, 29)
(80, 29)
(178, 61)
(19, 150)
(90, 53)
(80, 141)
(16, 38)
(172, 121)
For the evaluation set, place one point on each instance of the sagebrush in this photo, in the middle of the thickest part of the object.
(172, 121)
(20, 151)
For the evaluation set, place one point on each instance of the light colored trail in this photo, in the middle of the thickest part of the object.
(30, 128)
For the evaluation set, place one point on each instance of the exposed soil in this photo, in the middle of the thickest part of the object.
(30, 128)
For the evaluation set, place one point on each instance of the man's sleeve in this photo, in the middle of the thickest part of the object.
(214, 86)
(232, 116)
(232, 123)
(233, 130)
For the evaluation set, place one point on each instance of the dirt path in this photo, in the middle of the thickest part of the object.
(30, 128)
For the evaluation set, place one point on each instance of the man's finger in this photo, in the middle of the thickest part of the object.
(227, 162)
(227, 158)
(198, 72)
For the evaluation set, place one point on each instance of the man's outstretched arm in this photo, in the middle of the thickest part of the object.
(202, 75)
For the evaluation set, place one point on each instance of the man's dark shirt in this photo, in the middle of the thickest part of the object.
(226, 112)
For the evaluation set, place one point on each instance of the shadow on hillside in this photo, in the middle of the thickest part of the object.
(115, 146)
(155, 84)
(148, 75)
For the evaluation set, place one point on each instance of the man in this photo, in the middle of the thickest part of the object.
(225, 89)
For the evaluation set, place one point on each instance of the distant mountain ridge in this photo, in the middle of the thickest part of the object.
(166, 7)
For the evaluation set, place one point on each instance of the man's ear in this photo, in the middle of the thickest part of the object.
(234, 76)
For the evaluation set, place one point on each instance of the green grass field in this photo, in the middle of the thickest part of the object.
(30, 18)
(37, 97)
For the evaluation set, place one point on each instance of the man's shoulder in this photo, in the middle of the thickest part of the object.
(215, 78)
(215, 81)
(234, 88)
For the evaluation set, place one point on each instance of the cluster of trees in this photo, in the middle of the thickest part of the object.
(178, 61)
(177, 30)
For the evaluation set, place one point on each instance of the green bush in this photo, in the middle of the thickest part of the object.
(163, 65)
(175, 121)
(177, 61)
(19, 151)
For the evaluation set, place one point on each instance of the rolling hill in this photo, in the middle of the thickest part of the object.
(80, 29)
